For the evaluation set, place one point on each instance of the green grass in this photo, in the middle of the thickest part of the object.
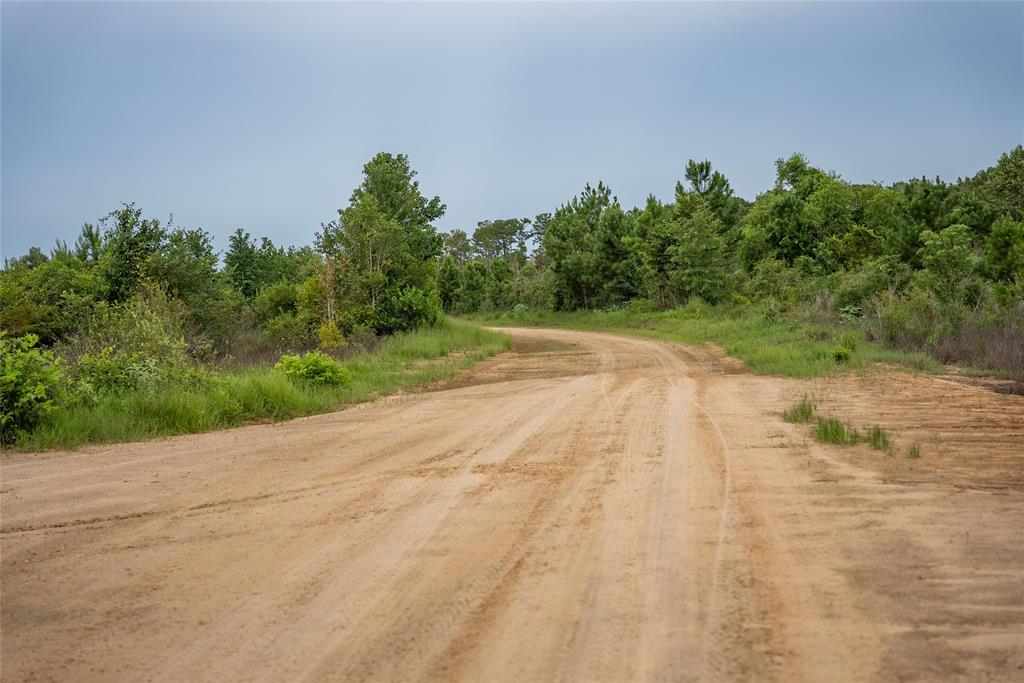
(878, 439)
(768, 344)
(232, 398)
(801, 413)
(835, 431)
(831, 430)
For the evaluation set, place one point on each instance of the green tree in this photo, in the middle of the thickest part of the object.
(1002, 186)
(569, 244)
(1003, 259)
(503, 239)
(458, 247)
(448, 282)
(386, 246)
(948, 262)
(129, 242)
(699, 264)
(472, 291)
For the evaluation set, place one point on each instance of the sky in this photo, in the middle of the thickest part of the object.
(261, 115)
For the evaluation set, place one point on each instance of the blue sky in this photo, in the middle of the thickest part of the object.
(261, 115)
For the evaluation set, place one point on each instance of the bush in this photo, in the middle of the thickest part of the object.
(288, 332)
(108, 371)
(330, 337)
(855, 288)
(148, 324)
(411, 308)
(841, 354)
(30, 385)
(316, 367)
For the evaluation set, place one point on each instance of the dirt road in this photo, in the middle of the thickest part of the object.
(589, 508)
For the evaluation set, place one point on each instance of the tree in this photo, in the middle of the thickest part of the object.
(504, 239)
(658, 233)
(448, 283)
(568, 243)
(472, 290)
(385, 247)
(948, 261)
(129, 242)
(458, 246)
(1003, 259)
(714, 189)
(1002, 186)
(699, 263)
(241, 262)
(89, 244)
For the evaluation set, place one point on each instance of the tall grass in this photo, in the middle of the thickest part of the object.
(261, 394)
(768, 343)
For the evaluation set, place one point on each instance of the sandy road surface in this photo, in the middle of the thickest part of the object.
(591, 508)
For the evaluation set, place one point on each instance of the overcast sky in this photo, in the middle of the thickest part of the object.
(262, 115)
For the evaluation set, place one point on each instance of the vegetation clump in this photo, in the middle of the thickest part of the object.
(316, 367)
(30, 385)
(835, 431)
(801, 413)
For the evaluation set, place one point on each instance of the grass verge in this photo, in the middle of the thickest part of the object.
(236, 397)
(768, 343)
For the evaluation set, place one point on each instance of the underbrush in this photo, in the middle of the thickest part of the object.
(228, 398)
(768, 341)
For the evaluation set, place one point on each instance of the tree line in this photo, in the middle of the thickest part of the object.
(915, 262)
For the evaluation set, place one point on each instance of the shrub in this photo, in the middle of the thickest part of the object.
(108, 371)
(288, 332)
(149, 324)
(330, 337)
(855, 288)
(849, 339)
(841, 354)
(316, 367)
(411, 308)
(30, 385)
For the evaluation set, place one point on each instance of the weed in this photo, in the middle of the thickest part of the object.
(831, 430)
(841, 354)
(913, 452)
(801, 413)
(878, 439)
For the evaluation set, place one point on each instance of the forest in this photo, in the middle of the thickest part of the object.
(137, 312)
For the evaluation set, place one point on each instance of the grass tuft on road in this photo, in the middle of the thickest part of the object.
(231, 398)
(835, 431)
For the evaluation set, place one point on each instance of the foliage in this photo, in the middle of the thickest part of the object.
(30, 385)
(802, 412)
(237, 396)
(329, 337)
(816, 275)
(385, 246)
(316, 367)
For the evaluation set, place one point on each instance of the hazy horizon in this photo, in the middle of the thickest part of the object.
(261, 116)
